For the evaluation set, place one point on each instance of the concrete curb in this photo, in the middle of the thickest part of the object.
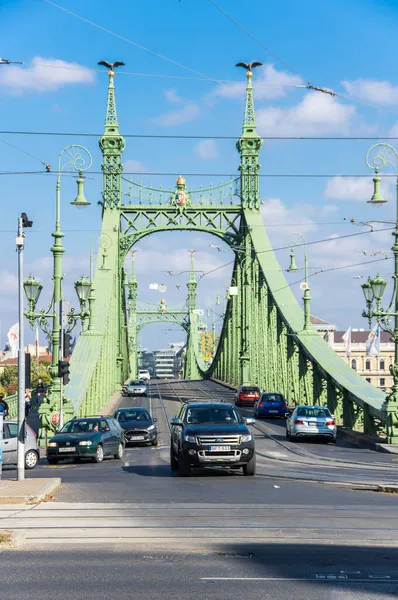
(17, 539)
(10, 497)
(388, 488)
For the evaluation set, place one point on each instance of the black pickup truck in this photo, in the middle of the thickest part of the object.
(208, 434)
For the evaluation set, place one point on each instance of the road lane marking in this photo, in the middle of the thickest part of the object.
(327, 579)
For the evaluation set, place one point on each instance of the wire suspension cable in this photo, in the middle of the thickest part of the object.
(132, 43)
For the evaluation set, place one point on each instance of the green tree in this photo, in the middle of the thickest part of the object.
(40, 372)
(9, 378)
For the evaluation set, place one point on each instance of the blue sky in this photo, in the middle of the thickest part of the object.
(349, 49)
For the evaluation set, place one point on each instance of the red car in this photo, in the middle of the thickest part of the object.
(247, 395)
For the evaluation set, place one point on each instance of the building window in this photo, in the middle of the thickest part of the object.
(367, 365)
(354, 364)
(382, 365)
(382, 382)
(368, 380)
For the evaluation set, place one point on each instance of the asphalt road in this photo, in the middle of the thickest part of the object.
(299, 528)
(286, 470)
(265, 571)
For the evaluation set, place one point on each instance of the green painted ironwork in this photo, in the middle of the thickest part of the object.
(262, 341)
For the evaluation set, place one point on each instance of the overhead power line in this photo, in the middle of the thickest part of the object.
(131, 42)
(204, 137)
(321, 241)
(254, 38)
(230, 175)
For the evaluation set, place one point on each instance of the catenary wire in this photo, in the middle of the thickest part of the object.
(131, 42)
(204, 137)
(287, 247)
(177, 174)
(254, 38)
(308, 86)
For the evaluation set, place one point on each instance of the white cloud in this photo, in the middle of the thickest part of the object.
(283, 220)
(269, 83)
(372, 90)
(206, 149)
(132, 166)
(9, 283)
(43, 75)
(316, 114)
(187, 113)
(356, 189)
(172, 97)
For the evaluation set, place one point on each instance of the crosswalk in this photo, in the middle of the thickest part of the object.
(197, 524)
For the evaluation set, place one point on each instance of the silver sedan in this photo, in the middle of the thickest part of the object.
(10, 437)
(311, 421)
(136, 387)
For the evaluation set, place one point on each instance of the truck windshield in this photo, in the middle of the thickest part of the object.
(203, 415)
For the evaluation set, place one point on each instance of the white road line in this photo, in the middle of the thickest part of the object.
(327, 580)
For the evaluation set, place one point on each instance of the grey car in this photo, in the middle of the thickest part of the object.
(136, 387)
(311, 421)
(10, 436)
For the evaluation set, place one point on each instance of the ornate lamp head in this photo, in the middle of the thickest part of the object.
(82, 287)
(377, 199)
(378, 287)
(80, 200)
(367, 290)
(293, 266)
(32, 289)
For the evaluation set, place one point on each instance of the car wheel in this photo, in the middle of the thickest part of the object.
(99, 455)
(155, 442)
(249, 469)
(184, 469)
(52, 461)
(31, 459)
(120, 451)
(173, 461)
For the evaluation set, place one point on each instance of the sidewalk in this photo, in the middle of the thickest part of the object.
(28, 491)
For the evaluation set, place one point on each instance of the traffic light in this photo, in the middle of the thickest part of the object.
(63, 371)
(68, 344)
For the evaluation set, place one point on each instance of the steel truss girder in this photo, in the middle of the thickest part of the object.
(146, 317)
(140, 221)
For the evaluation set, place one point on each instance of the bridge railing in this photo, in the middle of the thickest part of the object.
(283, 357)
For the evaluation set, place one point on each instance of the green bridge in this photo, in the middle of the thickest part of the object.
(266, 338)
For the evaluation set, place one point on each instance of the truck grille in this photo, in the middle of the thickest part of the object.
(226, 440)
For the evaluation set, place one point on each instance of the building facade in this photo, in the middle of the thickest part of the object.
(167, 363)
(375, 369)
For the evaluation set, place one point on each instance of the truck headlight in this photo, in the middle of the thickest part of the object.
(191, 439)
(85, 443)
(246, 438)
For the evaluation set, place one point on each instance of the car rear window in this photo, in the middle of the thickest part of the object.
(272, 398)
(313, 412)
(132, 415)
(250, 389)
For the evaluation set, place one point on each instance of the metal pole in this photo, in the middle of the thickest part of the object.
(307, 295)
(21, 361)
(61, 357)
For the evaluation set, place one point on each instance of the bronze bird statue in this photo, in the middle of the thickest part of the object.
(249, 66)
(111, 66)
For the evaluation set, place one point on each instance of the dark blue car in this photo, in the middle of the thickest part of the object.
(270, 404)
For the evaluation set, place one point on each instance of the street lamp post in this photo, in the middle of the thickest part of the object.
(378, 157)
(304, 285)
(79, 159)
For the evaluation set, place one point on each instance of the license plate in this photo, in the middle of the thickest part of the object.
(273, 411)
(67, 449)
(137, 437)
(219, 448)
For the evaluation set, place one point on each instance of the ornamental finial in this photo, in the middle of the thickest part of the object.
(111, 122)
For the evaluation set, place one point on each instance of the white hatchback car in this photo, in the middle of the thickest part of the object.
(10, 437)
(311, 421)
